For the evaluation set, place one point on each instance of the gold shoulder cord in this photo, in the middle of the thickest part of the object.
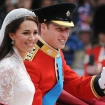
(30, 55)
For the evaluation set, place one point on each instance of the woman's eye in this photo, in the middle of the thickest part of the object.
(25, 32)
(35, 32)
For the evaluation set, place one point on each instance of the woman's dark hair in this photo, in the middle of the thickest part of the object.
(6, 45)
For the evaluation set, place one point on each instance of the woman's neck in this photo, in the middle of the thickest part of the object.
(21, 53)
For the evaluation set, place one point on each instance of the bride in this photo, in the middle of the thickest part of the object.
(18, 36)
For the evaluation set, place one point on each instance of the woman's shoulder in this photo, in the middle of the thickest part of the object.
(6, 64)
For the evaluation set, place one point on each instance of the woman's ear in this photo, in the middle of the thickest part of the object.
(11, 35)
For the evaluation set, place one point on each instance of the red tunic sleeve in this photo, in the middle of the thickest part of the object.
(81, 87)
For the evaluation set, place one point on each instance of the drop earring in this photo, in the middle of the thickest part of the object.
(12, 42)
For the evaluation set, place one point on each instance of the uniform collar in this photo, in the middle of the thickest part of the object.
(46, 48)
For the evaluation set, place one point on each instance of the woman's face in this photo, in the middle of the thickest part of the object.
(25, 37)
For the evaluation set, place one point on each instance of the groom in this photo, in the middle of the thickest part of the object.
(46, 64)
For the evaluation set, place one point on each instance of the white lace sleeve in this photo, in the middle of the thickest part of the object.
(7, 80)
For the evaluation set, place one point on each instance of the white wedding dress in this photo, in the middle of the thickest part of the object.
(16, 87)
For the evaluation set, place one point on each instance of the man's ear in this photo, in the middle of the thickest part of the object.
(11, 35)
(43, 26)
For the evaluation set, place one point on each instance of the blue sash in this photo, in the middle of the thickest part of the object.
(51, 97)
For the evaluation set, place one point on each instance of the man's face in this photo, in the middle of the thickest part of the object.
(55, 36)
(85, 37)
(102, 37)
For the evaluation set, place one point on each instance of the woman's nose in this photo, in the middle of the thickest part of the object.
(32, 37)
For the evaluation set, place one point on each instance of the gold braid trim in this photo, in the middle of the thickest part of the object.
(30, 55)
(47, 48)
(92, 87)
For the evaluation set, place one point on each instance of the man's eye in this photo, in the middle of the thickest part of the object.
(58, 29)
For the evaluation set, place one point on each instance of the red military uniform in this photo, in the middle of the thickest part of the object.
(40, 65)
(99, 59)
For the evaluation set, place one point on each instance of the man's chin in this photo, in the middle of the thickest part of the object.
(61, 47)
